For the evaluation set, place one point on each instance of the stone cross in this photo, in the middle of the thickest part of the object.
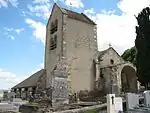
(112, 99)
(110, 45)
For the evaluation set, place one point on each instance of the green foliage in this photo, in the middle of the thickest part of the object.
(142, 44)
(130, 55)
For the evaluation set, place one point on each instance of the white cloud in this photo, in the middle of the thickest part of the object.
(12, 37)
(39, 29)
(23, 13)
(40, 8)
(17, 30)
(14, 2)
(42, 65)
(9, 79)
(119, 30)
(8, 29)
(4, 3)
(9, 32)
(89, 11)
(133, 6)
(40, 1)
(74, 3)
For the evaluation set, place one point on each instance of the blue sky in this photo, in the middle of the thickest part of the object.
(22, 31)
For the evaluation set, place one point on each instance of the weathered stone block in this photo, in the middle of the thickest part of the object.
(132, 100)
(147, 98)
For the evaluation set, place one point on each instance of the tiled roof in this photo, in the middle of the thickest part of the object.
(31, 81)
(78, 16)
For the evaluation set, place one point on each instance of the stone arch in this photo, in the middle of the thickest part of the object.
(128, 78)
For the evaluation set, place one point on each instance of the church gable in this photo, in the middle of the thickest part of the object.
(56, 12)
(109, 57)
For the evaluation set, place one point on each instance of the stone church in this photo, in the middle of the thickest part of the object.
(73, 62)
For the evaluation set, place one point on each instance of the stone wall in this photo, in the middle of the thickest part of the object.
(28, 109)
(109, 71)
(60, 91)
(41, 84)
(96, 108)
(111, 66)
(107, 81)
(111, 54)
(92, 96)
(37, 109)
(138, 111)
(80, 38)
(52, 56)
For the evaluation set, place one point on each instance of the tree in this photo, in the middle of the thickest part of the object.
(130, 55)
(142, 44)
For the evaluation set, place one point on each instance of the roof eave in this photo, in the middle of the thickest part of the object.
(92, 22)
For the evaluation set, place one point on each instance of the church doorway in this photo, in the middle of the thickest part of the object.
(128, 79)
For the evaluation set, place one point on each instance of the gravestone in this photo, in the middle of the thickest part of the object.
(118, 104)
(110, 103)
(114, 104)
(132, 100)
(5, 107)
(147, 98)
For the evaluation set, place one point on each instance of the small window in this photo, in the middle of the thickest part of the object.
(112, 61)
(54, 26)
(100, 59)
(101, 73)
(53, 42)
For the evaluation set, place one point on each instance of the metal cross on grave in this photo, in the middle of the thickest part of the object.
(112, 99)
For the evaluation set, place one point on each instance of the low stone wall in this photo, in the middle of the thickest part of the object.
(138, 111)
(92, 96)
(28, 109)
(71, 109)
(97, 108)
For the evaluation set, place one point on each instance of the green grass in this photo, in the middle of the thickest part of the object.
(92, 111)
